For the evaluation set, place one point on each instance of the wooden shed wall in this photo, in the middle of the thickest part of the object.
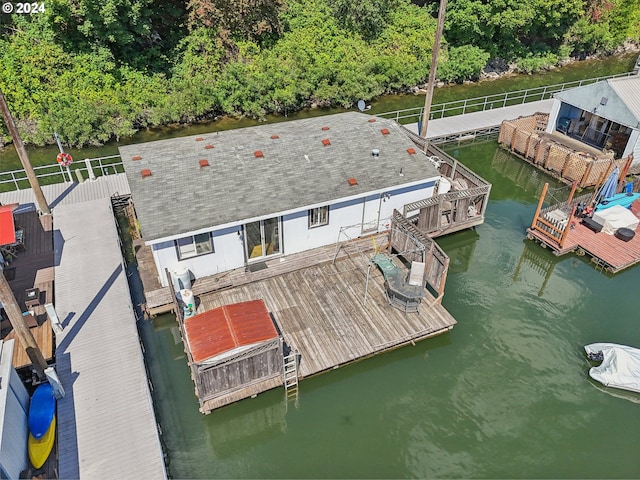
(262, 362)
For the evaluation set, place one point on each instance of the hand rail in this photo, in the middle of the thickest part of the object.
(488, 102)
(56, 173)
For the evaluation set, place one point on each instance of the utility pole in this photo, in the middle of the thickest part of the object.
(23, 333)
(24, 158)
(432, 71)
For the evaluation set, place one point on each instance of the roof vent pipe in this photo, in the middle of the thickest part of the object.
(375, 152)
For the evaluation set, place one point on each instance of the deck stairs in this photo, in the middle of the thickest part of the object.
(290, 374)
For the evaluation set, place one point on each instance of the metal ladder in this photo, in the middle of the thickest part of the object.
(290, 376)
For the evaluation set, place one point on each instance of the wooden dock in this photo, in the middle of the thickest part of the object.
(326, 311)
(32, 267)
(459, 126)
(606, 251)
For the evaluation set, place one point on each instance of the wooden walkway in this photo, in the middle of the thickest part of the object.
(468, 124)
(32, 267)
(72, 193)
(605, 250)
(107, 426)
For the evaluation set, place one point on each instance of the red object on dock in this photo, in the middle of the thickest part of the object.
(228, 327)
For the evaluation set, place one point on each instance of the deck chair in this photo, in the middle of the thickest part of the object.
(416, 274)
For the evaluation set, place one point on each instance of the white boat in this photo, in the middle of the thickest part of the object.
(619, 367)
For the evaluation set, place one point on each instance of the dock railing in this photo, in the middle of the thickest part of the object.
(89, 168)
(489, 102)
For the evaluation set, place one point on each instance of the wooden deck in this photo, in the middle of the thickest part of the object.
(322, 314)
(605, 250)
(33, 267)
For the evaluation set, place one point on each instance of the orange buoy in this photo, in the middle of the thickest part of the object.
(64, 159)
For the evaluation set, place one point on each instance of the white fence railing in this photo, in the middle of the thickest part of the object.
(89, 168)
(498, 100)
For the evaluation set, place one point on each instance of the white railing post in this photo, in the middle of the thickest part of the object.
(89, 169)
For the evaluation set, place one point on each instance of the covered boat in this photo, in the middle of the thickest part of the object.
(619, 367)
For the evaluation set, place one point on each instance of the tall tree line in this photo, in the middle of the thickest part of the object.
(96, 70)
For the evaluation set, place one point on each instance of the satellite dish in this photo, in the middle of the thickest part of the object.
(361, 105)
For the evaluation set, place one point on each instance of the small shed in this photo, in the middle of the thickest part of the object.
(231, 348)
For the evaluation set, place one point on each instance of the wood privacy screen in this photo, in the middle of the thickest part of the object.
(523, 136)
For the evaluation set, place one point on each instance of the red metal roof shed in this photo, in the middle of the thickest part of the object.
(226, 328)
(7, 226)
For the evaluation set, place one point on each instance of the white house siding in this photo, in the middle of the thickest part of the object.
(13, 421)
(297, 237)
(228, 254)
(553, 116)
(633, 147)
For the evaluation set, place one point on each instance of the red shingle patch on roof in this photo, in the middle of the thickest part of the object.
(371, 120)
(353, 181)
(146, 173)
(228, 327)
(325, 128)
(208, 147)
(136, 158)
(199, 139)
(385, 131)
(258, 154)
(275, 137)
(204, 163)
(411, 151)
(326, 141)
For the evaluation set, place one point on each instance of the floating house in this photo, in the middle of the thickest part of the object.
(233, 199)
(604, 115)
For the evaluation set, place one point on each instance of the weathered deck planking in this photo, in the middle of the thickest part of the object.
(33, 267)
(320, 313)
(605, 250)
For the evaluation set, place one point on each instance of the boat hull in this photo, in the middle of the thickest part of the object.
(40, 448)
(41, 410)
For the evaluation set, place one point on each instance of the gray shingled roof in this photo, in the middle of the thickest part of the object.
(297, 170)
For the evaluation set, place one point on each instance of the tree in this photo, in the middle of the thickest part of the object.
(366, 17)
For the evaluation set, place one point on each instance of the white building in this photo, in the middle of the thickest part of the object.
(14, 412)
(230, 199)
(604, 115)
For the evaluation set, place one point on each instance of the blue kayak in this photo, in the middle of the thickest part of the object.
(623, 199)
(41, 410)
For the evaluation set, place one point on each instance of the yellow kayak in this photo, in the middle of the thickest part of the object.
(40, 448)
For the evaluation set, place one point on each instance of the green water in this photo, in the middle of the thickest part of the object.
(504, 395)
(576, 71)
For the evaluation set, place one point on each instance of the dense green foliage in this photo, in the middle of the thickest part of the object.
(94, 70)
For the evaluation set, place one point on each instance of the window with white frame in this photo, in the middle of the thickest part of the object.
(318, 217)
(195, 245)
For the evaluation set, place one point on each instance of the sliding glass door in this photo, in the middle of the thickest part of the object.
(262, 238)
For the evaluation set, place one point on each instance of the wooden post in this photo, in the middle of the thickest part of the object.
(573, 191)
(23, 333)
(563, 237)
(432, 72)
(513, 137)
(542, 195)
(587, 174)
(24, 157)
